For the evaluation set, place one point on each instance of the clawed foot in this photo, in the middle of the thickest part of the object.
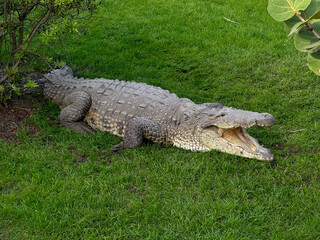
(118, 147)
(80, 127)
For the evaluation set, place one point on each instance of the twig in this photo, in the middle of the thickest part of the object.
(4, 22)
(31, 35)
(7, 75)
(230, 20)
(299, 130)
(309, 26)
(41, 57)
(41, 21)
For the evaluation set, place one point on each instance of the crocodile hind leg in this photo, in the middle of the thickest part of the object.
(137, 129)
(74, 107)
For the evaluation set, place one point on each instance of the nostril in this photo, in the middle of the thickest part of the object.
(266, 119)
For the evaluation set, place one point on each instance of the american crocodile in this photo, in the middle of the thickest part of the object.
(136, 111)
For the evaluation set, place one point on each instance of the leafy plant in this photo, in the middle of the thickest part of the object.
(302, 18)
(30, 84)
(21, 21)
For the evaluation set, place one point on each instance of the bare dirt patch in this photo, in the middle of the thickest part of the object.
(14, 117)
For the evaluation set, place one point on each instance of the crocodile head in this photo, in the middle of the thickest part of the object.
(224, 129)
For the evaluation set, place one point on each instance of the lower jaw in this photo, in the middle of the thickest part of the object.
(262, 155)
(229, 148)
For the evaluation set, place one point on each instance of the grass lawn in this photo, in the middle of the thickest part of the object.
(63, 185)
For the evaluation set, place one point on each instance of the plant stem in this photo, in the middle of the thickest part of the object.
(41, 21)
(5, 17)
(31, 35)
(40, 57)
(309, 26)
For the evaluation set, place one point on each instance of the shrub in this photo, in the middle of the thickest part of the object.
(302, 18)
(20, 21)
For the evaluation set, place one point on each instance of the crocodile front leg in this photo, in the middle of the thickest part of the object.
(74, 107)
(137, 129)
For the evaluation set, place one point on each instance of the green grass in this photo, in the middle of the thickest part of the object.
(63, 185)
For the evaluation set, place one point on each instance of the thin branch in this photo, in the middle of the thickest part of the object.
(13, 38)
(22, 17)
(230, 20)
(5, 18)
(7, 75)
(309, 26)
(299, 130)
(5, 12)
(36, 27)
(26, 10)
(20, 33)
(31, 35)
(41, 57)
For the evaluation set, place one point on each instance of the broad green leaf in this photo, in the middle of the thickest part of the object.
(289, 24)
(297, 27)
(312, 46)
(282, 10)
(315, 16)
(313, 8)
(305, 38)
(314, 62)
(316, 49)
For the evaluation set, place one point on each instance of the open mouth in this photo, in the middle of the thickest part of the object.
(239, 138)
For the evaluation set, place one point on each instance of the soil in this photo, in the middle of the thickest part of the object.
(14, 116)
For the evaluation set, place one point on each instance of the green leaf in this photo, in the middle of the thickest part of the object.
(297, 27)
(15, 89)
(282, 10)
(30, 84)
(313, 8)
(314, 62)
(312, 46)
(315, 16)
(289, 24)
(304, 39)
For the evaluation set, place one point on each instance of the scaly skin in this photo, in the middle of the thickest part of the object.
(136, 110)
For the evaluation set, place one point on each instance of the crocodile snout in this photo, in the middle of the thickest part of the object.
(266, 119)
